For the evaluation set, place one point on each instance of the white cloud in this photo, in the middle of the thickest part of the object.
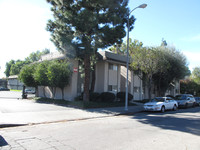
(193, 58)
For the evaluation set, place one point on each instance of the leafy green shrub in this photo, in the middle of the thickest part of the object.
(78, 98)
(94, 96)
(122, 96)
(107, 97)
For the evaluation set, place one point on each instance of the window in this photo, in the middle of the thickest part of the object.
(112, 67)
(112, 88)
(136, 89)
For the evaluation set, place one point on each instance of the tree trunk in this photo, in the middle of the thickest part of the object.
(36, 91)
(149, 84)
(93, 78)
(62, 93)
(24, 95)
(53, 91)
(44, 93)
(159, 86)
(86, 95)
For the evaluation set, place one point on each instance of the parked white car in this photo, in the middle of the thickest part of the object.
(161, 104)
(29, 91)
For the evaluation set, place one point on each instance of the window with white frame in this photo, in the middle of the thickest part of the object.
(113, 67)
(112, 88)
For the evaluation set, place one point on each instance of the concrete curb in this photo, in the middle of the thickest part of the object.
(11, 125)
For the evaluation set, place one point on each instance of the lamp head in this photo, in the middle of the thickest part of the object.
(142, 6)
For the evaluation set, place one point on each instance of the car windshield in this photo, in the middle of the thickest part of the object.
(180, 97)
(158, 99)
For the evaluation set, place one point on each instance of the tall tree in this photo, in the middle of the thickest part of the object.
(173, 67)
(17, 66)
(13, 67)
(196, 75)
(8, 67)
(189, 86)
(147, 60)
(80, 27)
(134, 46)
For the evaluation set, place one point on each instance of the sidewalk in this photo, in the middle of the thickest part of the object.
(72, 114)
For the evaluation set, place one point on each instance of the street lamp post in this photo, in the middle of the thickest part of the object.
(127, 52)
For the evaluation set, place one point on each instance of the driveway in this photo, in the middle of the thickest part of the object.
(15, 110)
(12, 95)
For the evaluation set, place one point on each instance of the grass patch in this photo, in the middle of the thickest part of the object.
(16, 90)
(81, 104)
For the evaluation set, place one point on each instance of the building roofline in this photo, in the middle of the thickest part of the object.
(102, 55)
(108, 55)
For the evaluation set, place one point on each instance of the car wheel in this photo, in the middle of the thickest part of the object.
(175, 108)
(162, 109)
(186, 105)
(194, 104)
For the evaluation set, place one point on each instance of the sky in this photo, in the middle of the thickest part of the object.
(23, 23)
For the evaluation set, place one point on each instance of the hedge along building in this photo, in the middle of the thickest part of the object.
(110, 76)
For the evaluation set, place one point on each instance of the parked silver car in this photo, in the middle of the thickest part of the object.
(197, 101)
(185, 100)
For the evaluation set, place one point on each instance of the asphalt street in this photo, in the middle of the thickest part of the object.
(178, 130)
(63, 128)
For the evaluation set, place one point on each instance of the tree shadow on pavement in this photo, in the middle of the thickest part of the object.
(2, 141)
(184, 120)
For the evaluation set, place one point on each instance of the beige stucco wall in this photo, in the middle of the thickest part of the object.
(138, 85)
(112, 75)
(123, 79)
(100, 76)
(105, 77)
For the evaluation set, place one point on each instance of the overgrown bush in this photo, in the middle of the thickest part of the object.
(107, 97)
(94, 96)
(122, 96)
